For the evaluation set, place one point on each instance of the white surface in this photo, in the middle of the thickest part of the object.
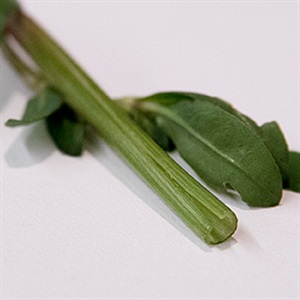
(88, 227)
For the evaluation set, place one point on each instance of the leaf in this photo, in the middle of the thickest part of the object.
(294, 172)
(6, 8)
(270, 133)
(219, 146)
(39, 107)
(66, 131)
(274, 139)
(169, 98)
(65, 128)
(230, 109)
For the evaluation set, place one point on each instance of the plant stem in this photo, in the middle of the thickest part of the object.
(35, 80)
(208, 217)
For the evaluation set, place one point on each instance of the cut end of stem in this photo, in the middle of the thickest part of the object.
(216, 235)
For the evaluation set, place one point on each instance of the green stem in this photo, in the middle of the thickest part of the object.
(34, 79)
(208, 217)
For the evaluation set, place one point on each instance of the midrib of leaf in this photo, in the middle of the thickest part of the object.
(171, 116)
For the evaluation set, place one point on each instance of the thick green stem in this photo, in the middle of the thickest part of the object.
(208, 217)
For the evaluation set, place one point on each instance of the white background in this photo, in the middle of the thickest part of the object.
(88, 227)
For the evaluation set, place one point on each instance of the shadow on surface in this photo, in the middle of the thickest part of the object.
(115, 165)
(31, 147)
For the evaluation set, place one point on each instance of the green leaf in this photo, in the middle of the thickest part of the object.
(294, 172)
(169, 98)
(270, 133)
(63, 125)
(39, 107)
(218, 145)
(7, 7)
(274, 139)
(66, 131)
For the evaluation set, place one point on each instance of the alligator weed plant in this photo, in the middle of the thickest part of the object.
(227, 149)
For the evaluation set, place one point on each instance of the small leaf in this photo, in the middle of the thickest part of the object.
(294, 172)
(39, 107)
(274, 139)
(66, 131)
(218, 145)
